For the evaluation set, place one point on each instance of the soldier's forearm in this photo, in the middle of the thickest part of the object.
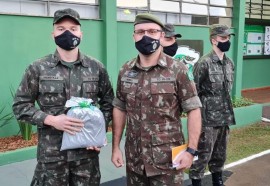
(118, 124)
(194, 127)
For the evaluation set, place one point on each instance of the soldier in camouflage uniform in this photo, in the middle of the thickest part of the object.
(213, 75)
(51, 81)
(168, 42)
(170, 45)
(152, 92)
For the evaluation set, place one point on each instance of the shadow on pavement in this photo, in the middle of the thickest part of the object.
(207, 180)
(116, 182)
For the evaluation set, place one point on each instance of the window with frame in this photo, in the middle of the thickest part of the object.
(88, 9)
(258, 9)
(257, 29)
(184, 12)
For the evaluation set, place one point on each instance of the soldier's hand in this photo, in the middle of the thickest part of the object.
(117, 158)
(64, 123)
(185, 161)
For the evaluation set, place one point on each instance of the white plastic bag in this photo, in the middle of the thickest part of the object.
(93, 133)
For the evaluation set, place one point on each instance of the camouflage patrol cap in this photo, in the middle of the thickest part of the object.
(147, 18)
(60, 14)
(170, 31)
(220, 30)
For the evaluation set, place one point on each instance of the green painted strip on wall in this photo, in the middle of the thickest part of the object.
(18, 155)
(256, 73)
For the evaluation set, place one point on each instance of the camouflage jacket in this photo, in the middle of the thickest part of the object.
(50, 83)
(214, 80)
(154, 100)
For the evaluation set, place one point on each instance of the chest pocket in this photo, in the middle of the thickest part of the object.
(216, 78)
(51, 91)
(163, 92)
(90, 88)
(128, 88)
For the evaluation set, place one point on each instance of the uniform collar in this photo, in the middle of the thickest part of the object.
(215, 58)
(56, 59)
(162, 61)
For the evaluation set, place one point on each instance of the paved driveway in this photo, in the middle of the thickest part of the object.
(255, 172)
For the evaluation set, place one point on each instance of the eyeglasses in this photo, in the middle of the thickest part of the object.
(151, 32)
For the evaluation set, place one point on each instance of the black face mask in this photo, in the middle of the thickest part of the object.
(147, 45)
(170, 50)
(67, 40)
(224, 46)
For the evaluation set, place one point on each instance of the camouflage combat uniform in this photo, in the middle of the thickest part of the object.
(214, 80)
(154, 99)
(51, 84)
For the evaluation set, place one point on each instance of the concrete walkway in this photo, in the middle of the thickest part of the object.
(252, 173)
(255, 172)
(21, 173)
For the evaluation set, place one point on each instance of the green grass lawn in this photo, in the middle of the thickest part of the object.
(246, 141)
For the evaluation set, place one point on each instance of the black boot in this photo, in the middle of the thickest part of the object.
(217, 179)
(196, 182)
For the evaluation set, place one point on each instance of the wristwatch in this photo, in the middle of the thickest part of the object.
(192, 151)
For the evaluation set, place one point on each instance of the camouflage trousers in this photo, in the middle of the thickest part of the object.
(135, 179)
(212, 148)
(83, 172)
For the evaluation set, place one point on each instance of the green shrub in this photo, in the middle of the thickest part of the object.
(25, 128)
(241, 102)
(237, 102)
(4, 118)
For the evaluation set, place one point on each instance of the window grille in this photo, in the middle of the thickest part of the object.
(88, 9)
(182, 12)
(258, 9)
